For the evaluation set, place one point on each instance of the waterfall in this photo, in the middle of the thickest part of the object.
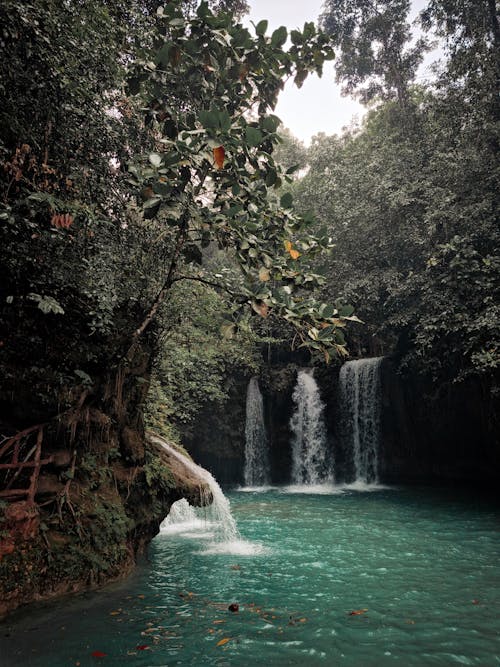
(309, 441)
(217, 514)
(360, 396)
(256, 471)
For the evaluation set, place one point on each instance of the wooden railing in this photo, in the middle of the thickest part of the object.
(11, 449)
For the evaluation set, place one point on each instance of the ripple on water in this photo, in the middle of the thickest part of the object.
(420, 570)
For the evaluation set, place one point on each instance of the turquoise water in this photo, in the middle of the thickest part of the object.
(421, 565)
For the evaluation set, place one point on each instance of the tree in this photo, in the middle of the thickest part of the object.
(376, 57)
(214, 153)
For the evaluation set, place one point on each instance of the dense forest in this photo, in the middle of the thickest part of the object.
(164, 237)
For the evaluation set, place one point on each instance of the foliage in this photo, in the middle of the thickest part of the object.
(197, 361)
(376, 58)
(158, 475)
(213, 178)
(413, 210)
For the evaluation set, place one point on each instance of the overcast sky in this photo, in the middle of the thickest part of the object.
(318, 106)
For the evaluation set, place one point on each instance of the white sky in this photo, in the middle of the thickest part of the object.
(318, 106)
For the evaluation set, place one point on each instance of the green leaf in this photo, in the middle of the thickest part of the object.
(279, 36)
(161, 188)
(151, 203)
(326, 332)
(47, 304)
(346, 311)
(155, 159)
(253, 136)
(326, 311)
(209, 119)
(339, 337)
(271, 123)
(234, 210)
(224, 121)
(300, 77)
(261, 27)
(203, 10)
(286, 200)
(271, 177)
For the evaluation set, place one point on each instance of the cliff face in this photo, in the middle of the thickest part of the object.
(452, 436)
(425, 438)
(92, 513)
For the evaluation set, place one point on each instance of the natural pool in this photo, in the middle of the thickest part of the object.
(420, 565)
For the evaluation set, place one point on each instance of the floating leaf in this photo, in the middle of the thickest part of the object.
(98, 654)
(142, 647)
(234, 607)
(358, 612)
(223, 641)
(219, 155)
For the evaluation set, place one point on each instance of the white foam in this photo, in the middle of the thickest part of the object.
(314, 489)
(255, 489)
(359, 485)
(184, 527)
(235, 548)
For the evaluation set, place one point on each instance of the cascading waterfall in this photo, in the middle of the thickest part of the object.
(217, 514)
(256, 472)
(360, 406)
(309, 442)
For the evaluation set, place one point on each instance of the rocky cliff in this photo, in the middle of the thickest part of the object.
(90, 517)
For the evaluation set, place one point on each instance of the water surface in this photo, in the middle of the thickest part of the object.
(419, 565)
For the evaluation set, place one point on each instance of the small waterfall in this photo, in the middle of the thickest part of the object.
(256, 471)
(217, 513)
(360, 396)
(309, 442)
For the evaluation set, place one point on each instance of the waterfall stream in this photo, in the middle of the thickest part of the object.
(217, 515)
(309, 441)
(256, 472)
(360, 406)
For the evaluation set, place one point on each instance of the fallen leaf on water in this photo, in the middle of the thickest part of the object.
(223, 641)
(141, 597)
(358, 612)
(142, 647)
(410, 622)
(114, 613)
(98, 654)
(219, 622)
(234, 607)
(301, 620)
(235, 567)
(475, 601)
